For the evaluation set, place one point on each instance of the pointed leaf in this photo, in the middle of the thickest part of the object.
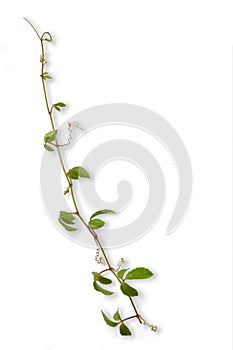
(83, 173)
(48, 148)
(124, 330)
(101, 279)
(128, 290)
(139, 273)
(101, 212)
(96, 224)
(104, 280)
(60, 104)
(108, 321)
(67, 217)
(46, 76)
(65, 214)
(67, 221)
(50, 136)
(121, 273)
(100, 289)
(77, 172)
(117, 316)
(68, 228)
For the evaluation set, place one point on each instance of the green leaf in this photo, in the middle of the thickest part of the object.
(138, 273)
(46, 76)
(67, 218)
(117, 316)
(77, 172)
(104, 280)
(83, 173)
(50, 136)
(124, 330)
(65, 214)
(100, 289)
(48, 148)
(58, 105)
(128, 290)
(101, 279)
(96, 224)
(68, 228)
(101, 212)
(108, 321)
(121, 273)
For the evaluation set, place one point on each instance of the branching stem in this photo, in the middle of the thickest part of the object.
(69, 181)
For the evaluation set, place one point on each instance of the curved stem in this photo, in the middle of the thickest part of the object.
(70, 183)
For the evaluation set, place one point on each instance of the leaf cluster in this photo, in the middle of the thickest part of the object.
(126, 289)
(123, 329)
(98, 223)
(59, 105)
(46, 76)
(66, 220)
(48, 138)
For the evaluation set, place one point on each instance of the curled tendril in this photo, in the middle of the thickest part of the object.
(70, 133)
(120, 263)
(99, 258)
(47, 36)
(151, 326)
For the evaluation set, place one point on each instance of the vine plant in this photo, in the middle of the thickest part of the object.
(66, 219)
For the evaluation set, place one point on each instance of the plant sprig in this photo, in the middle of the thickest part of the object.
(67, 220)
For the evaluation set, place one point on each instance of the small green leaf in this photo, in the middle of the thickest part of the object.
(108, 321)
(100, 289)
(101, 212)
(124, 330)
(65, 214)
(50, 136)
(77, 172)
(83, 173)
(104, 280)
(48, 148)
(68, 228)
(58, 105)
(46, 76)
(96, 224)
(138, 273)
(128, 290)
(67, 218)
(121, 273)
(117, 316)
(101, 279)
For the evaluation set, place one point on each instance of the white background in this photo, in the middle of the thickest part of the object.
(173, 57)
